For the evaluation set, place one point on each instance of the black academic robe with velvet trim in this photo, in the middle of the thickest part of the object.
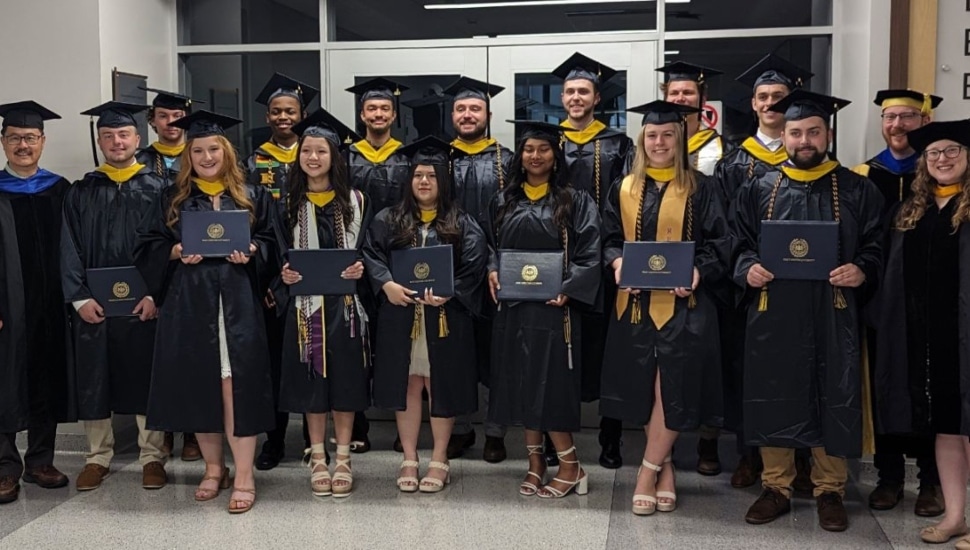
(33, 354)
(385, 182)
(895, 188)
(186, 391)
(802, 360)
(112, 359)
(534, 380)
(454, 380)
(686, 349)
(346, 386)
(922, 375)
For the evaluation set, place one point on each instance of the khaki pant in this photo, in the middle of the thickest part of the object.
(101, 440)
(829, 473)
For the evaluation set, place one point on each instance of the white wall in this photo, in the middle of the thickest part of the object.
(138, 37)
(954, 20)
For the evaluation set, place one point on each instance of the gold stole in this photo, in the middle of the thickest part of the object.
(120, 175)
(211, 188)
(699, 140)
(377, 156)
(760, 152)
(586, 135)
(321, 198)
(285, 156)
(167, 150)
(473, 148)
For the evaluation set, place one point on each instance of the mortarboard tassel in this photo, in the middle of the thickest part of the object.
(691, 301)
(763, 300)
(840, 302)
(418, 320)
(636, 313)
(442, 323)
(567, 326)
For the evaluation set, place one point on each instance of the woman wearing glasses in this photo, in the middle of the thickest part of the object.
(923, 371)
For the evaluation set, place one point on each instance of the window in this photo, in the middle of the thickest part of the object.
(539, 97)
(248, 21)
(698, 15)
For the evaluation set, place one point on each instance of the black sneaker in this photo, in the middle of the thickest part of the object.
(269, 457)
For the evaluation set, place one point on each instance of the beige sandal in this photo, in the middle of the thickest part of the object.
(671, 497)
(408, 484)
(651, 500)
(223, 482)
(432, 484)
(247, 505)
(346, 476)
(320, 482)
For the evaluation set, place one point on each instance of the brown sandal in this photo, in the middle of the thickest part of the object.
(247, 504)
(203, 495)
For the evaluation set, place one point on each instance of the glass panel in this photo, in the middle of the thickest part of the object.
(229, 83)
(363, 20)
(695, 15)
(423, 111)
(538, 96)
(248, 21)
(735, 55)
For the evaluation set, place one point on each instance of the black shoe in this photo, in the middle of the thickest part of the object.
(552, 459)
(610, 457)
(397, 444)
(494, 450)
(886, 495)
(359, 445)
(708, 461)
(458, 443)
(269, 457)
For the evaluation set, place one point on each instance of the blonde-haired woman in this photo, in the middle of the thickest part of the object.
(662, 364)
(923, 370)
(211, 367)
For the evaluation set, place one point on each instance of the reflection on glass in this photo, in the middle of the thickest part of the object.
(423, 109)
(538, 96)
(699, 15)
(248, 21)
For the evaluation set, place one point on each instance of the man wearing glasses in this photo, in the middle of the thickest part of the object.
(32, 314)
(893, 170)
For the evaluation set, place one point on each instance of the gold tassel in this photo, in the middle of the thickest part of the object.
(442, 323)
(691, 301)
(416, 327)
(840, 302)
(567, 331)
(636, 313)
(763, 301)
(302, 336)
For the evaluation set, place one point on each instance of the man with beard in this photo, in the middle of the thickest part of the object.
(771, 79)
(376, 166)
(33, 389)
(893, 170)
(802, 366)
(686, 84)
(597, 157)
(112, 355)
(480, 168)
(163, 155)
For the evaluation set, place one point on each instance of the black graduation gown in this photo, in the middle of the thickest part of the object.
(384, 182)
(112, 359)
(923, 327)
(534, 382)
(155, 160)
(616, 156)
(454, 382)
(802, 367)
(346, 386)
(686, 349)
(895, 188)
(186, 393)
(33, 369)
(266, 170)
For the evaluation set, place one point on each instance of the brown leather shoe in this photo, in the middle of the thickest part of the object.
(770, 506)
(748, 472)
(190, 448)
(153, 476)
(91, 477)
(9, 489)
(831, 512)
(886, 495)
(708, 462)
(803, 476)
(929, 503)
(46, 477)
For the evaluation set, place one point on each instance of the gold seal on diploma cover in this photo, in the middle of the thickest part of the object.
(215, 231)
(657, 262)
(120, 290)
(798, 248)
(530, 273)
(422, 270)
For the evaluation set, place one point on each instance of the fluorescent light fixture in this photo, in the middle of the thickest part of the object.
(529, 3)
(672, 52)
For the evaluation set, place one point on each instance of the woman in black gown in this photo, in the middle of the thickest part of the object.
(923, 370)
(325, 339)
(662, 369)
(424, 340)
(536, 369)
(211, 366)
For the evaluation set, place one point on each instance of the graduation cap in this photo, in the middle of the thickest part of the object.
(280, 84)
(773, 69)
(665, 112)
(203, 123)
(323, 124)
(802, 104)
(907, 98)
(680, 71)
(923, 137)
(116, 114)
(428, 151)
(466, 87)
(171, 100)
(580, 66)
(26, 114)
(538, 129)
(378, 88)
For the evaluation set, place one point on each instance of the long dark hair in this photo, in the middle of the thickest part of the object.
(297, 185)
(559, 186)
(405, 216)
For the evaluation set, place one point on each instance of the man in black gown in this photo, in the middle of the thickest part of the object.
(479, 168)
(597, 157)
(33, 390)
(893, 170)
